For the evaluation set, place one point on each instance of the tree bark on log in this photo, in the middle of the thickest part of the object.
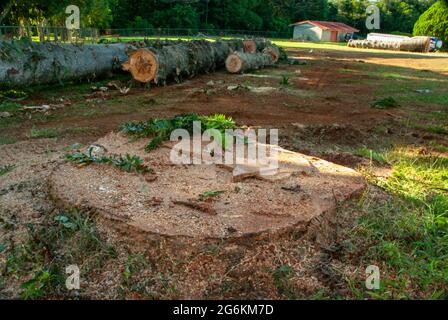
(415, 44)
(250, 46)
(180, 61)
(239, 62)
(24, 63)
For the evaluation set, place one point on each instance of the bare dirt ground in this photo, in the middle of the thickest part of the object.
(323, 110)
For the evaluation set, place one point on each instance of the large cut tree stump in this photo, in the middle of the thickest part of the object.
(239, 62)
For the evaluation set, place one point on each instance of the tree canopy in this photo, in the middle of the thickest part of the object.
(434, 21)
(262, 15)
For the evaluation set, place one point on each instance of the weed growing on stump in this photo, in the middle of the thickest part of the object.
(126, 163)
(161, 129)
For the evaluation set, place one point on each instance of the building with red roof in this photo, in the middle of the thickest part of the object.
(313, 30)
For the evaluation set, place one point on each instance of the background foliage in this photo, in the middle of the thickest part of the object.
(434, 21)
(264, 15)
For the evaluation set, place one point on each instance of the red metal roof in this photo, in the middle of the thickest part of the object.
(327, 25)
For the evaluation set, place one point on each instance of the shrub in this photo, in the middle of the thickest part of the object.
(434, 22)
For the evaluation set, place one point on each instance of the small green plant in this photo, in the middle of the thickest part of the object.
(160, 129)
(126, 163)
(281, 277)
(284, 81)
(386, 103)
(37, 287)
(210, 194)
(154, 144)
(12, 94)
(372, 155)
(5, 169)
(134, 264)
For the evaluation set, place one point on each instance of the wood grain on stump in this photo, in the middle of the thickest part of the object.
(302, 195)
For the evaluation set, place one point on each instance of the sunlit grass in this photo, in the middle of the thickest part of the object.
(407, 234)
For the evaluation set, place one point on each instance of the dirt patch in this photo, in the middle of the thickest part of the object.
(329, 134)
(346, 159)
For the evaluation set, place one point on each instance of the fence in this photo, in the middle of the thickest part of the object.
(92, 35)
(45, 33)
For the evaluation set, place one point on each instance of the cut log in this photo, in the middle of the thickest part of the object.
(258, 45)
(180, 61)
(415, 44)
(273, 51)
(239, 62)
(142, 64)
(24, 63)
(250, 46)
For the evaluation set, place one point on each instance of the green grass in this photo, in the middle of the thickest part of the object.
(403, 84)
(9, 106)
(372, 155)
(7, 140)
(437, 129)
(64, 238)
(438, 147)
(54, 132)
(341, 46)
(407, 235)
(45, 132)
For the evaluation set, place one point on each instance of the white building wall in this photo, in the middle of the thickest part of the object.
(326, 36)
(308, 32)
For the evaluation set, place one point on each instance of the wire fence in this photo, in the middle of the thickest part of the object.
(93, 35)
(45, 33)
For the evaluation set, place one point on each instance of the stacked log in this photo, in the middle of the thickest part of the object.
(273, 51)
(179, 61)
(187, 59)
(415, 44)
(240, 62)
(24, 63)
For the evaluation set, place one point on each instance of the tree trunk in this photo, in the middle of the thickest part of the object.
(24, 63)
(176, 62)
(415, 44)
(250, 46)
(239, 62)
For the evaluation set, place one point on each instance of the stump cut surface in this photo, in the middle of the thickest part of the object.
(206, 201)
